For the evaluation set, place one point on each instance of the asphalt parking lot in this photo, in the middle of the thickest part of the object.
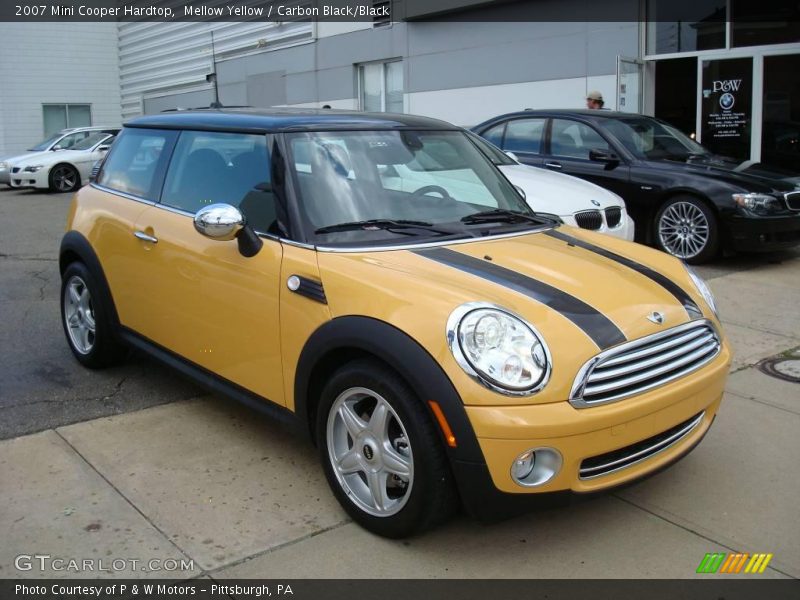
(133, 461)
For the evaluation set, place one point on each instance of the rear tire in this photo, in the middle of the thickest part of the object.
(86, 318)
(381, 452)
(687, 228)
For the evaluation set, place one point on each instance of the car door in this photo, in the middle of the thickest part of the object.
(203, 300)
(568, 151)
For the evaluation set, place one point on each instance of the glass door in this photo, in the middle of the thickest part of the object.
(780, 131)
(726, 120)
(630, 75)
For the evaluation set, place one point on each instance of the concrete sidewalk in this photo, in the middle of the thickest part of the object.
(230, 494)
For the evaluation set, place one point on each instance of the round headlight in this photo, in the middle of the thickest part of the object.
(498, 349)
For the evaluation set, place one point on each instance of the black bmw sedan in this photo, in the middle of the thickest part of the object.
(684, 199)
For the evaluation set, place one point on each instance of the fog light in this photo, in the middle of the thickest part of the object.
(536, 466)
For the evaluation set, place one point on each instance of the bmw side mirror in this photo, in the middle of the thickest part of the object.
(103, 148)
(512, 156)
(223, 222)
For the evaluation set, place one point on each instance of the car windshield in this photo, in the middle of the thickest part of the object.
(42, 146)
(494, 153)
(360, 187)
(650, 139)
(90, 142)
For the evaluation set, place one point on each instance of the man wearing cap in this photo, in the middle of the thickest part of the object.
(594, 99)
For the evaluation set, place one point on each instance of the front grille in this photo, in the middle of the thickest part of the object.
(613, 216)
(793, 200)
(643, 364)
(635, 453)
(15, 169)
(589, 219)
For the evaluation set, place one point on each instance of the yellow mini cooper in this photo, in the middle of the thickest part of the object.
(375, 281)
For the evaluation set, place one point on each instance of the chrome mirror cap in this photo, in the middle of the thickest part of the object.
(220, 222)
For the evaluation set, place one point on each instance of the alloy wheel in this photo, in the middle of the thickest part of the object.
(79, 315)
(370, 453)
(64, 178)
(683, 230)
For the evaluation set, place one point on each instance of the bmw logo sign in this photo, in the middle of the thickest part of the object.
(726, 101)
(595, 202)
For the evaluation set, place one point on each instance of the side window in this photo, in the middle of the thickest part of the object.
(68, 141)
(133, 162)
(524, 135)
(232, 168)
(574, 140)
(495, 134)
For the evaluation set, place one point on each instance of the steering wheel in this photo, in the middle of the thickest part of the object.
(423, 191)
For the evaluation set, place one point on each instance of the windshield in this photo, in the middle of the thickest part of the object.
(90, 141)
(42, 146)
(649, 139)
(400, 186)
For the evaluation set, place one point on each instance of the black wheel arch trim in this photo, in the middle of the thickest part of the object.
(401, 353)
(74, 244)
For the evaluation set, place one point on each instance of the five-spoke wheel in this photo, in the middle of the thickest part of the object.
(64, 178)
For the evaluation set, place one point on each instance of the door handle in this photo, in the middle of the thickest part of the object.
(141, 235)
(553, 165)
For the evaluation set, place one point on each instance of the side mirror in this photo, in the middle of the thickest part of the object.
(602, 155)
(512, 156)
(224, 222)
(103, 148)
(521, 192)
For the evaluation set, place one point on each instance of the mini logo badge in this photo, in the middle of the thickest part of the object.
(595, 202)
(656, 317)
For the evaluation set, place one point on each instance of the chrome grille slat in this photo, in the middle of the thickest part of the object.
(792, 200)
(644, 376)
(646, 363)
(657, 444)
(653, 348)
(602, 373)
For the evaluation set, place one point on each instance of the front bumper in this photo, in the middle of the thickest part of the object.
(5, 176)
(21, 179)
(624, 230)
(762, 234)
(503, 433)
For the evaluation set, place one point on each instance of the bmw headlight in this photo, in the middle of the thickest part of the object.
(3, 166)
(498, 349)
(32, 168)
(758, 203)
(703, 288)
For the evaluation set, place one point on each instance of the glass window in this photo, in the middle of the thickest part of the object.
(65, 116)
(685, 25)
(524, 135)
(432, 177)
(780, 134)
(574, 140)
(132, 164)
(232, 168)
(764, 22)
(495, 134)
(71, 140)
(492, 152)
(650, 139)
(381, 86)
(92, 140)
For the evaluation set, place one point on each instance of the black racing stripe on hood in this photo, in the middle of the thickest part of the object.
(596, 325)
(673, 288)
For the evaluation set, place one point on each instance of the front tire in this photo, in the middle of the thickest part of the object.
(381, 452)
(64, 178)
(687, 228)
(86, 318)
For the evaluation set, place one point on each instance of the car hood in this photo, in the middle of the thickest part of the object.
(556, 193)
(730, 171)
(52, 157)
(579, 299)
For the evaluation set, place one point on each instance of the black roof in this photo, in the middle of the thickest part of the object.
(585, 113)
(284, 119)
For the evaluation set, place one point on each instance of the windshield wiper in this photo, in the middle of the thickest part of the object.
(500, 215)
(387, 224)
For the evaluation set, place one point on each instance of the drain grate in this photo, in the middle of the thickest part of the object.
(785, 366)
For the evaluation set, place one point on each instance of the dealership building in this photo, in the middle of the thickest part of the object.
(725, 71)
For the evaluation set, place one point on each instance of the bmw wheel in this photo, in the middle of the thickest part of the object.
(687, 229)
(86, 320)
(64, 178)
(381, 452)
